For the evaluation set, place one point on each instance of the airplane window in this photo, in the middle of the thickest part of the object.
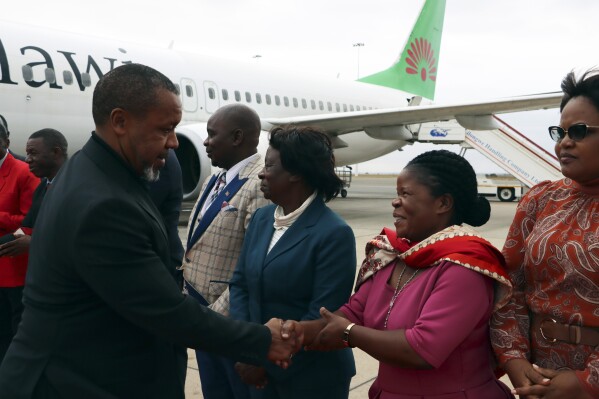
(237, 96)
(351, 107)
(27, 73)
(67, 76)
(50, 75)
(358, 108)
(225, 94)
(286, 100)
(329, 106)
(258, 98)
(304, 103)
(295, 102)
(313, 104)
(344, 107)
(248, 97)
(321, 105)
(211, 93)
(277, 100)
(268, 99)
(188, 91)
(86, 79)
(337, 107)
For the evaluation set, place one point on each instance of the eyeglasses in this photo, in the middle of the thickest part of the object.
(576, 132)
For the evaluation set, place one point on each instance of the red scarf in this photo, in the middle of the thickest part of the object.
(456, 244)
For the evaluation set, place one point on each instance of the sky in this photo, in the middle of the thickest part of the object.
(490, 49)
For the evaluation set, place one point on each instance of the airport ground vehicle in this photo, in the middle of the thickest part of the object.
(504, 187)
(345, 174)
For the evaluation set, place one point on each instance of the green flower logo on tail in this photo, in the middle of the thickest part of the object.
(415, 70)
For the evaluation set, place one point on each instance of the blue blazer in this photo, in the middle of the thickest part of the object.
(312, 265)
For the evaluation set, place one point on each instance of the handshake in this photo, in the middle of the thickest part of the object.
(289, 336)
(287, 339)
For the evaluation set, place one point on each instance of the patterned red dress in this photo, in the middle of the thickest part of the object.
(552, 255)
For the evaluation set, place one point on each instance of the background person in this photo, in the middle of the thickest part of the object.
(217, 227)
(552, 319)
(17, 185)
(297, 256)
(46, 152)
(4, 124)
(426, 290)
(103, 314)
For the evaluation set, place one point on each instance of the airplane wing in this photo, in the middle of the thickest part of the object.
(466, 114)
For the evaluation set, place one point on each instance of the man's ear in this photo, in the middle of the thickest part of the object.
(237, 136)
(118, 121)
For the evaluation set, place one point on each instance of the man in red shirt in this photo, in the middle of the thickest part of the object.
(17, 185)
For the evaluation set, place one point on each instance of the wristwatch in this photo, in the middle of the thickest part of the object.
(346, 335)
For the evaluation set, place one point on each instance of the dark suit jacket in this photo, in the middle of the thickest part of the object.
(312, 265)
(167, 194)
(102, 311)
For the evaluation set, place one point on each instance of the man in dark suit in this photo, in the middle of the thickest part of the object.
(46, 152)
(103, 314)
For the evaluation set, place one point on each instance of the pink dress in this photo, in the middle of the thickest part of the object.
(445, 312)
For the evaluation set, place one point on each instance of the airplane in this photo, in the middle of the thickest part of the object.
(47, 79)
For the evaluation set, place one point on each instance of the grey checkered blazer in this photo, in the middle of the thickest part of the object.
(210, 262)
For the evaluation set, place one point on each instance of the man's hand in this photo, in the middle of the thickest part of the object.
(287, 339)
(252, 375)
(18, 246)
(562, 384)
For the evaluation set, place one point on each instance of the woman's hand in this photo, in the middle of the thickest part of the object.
(330, 336)
(252, 375)
(562, 384)
(523, 375)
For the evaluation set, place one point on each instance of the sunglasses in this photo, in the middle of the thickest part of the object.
(575, 132)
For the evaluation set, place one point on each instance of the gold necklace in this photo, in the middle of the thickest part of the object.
(398, 290)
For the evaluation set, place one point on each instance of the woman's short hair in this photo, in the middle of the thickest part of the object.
(445, 172)
(587, 86)
(308, 152)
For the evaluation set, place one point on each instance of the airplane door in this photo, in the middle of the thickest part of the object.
(211, 96)
(189, 95)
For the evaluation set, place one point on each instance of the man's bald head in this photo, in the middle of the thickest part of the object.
(240, 116)
(233, 135)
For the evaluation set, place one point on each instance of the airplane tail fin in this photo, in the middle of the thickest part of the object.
(415, 71)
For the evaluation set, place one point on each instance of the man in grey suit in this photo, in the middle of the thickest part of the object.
(103, 314)
(217, 228)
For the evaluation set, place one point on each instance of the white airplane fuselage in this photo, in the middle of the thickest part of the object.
(47, 79)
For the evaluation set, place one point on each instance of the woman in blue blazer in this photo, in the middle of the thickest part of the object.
(297, 256)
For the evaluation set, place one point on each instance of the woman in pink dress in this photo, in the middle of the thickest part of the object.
(426, 291)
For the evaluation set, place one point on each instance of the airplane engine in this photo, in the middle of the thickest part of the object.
(195, 164)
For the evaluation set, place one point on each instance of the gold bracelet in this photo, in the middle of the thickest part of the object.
(346, 335)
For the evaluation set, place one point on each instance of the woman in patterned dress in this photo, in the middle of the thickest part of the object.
(547, 336)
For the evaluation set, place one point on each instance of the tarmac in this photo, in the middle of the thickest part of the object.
(367, 209)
